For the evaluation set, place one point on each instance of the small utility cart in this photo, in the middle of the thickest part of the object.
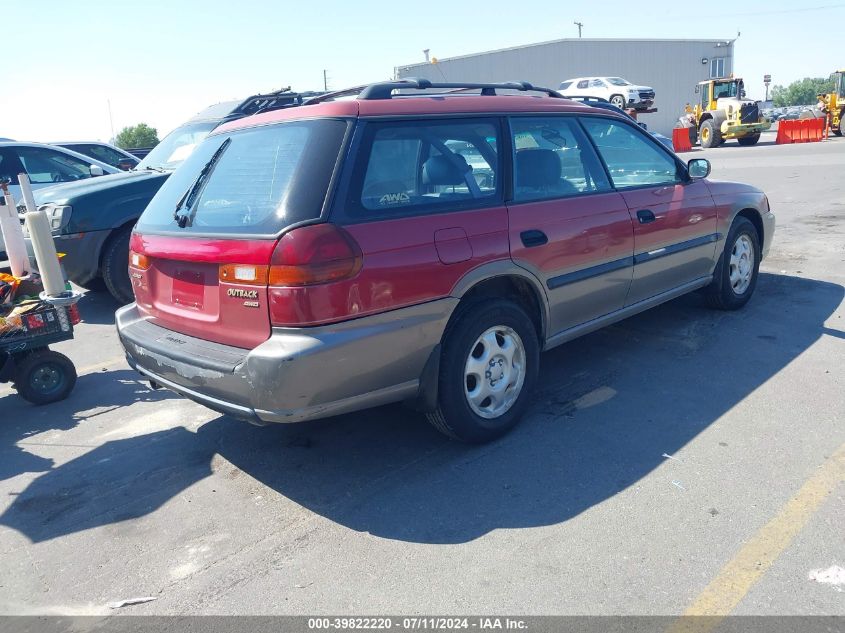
(30, 325)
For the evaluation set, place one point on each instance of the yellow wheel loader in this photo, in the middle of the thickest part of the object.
(833, 104)
(723, 113)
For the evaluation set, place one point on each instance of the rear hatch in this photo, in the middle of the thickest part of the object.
(201, 254)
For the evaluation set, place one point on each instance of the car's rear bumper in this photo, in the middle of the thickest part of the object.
(298, 373)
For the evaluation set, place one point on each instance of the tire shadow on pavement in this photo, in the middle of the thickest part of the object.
(609, 406)
(93, 394)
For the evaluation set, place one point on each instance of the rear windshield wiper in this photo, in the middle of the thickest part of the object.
(151, 168)
(186, 218)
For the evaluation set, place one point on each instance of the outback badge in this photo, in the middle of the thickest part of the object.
(242, 294)
(251, 296)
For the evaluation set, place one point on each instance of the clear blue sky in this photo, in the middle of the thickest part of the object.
(162, 61)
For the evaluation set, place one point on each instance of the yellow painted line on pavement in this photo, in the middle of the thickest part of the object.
(88, 369)
(755, 558)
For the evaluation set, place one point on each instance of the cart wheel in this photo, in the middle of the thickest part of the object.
(45, 376)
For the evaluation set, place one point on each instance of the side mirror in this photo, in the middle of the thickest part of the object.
(697, 89)
(698, 168)
(742, 94)
(96, 170)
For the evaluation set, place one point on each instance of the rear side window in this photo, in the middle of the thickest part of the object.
(583, 83)
(632, 159)
(426, 166)
(553, 159)
(255, 181)
(564, 85)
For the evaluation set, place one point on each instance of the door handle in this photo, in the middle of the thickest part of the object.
(533, 238)
(645, 216)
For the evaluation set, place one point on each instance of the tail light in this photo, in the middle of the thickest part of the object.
(313, 255)
(73, 314)
(138, 260)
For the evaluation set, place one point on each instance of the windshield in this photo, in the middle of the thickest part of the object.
(254, 181)
(177, 146)
(724, 89)
(618, 81)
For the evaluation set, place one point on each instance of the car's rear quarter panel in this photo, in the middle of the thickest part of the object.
(403, 265)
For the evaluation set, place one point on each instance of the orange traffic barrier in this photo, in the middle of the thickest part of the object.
(800, 131)
(782, 137)
(680, 139)
(819, 127)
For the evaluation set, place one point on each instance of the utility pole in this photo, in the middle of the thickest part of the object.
(579, 25)
(325, 81)
(111, 122)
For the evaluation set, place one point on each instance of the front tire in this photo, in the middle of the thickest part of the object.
(488, 369)
(618, 101)
(735, 277)
(709, 134)
(115, 267)
(751, 139)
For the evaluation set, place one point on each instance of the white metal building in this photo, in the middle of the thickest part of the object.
(671, 67)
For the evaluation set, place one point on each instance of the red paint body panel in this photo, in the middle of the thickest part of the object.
(204, 249)
(730, 197)
(180, 290)
(582, 231)
(683, 212)
(401, 267)
(452, 245)
(328, 109)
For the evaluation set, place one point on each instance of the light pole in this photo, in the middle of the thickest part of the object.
(111, 121)
(579, 25)
(767, 79)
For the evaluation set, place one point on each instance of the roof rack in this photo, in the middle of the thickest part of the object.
(319, 97)
(384, 90)
(283, 98)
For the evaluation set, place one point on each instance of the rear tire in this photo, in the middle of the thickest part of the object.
(693, 135)
(751, 139)
(96, 284)
(735, 277)
(44, 376)
(618, 101)
(115, 267)
(709, 134)
(488, 369)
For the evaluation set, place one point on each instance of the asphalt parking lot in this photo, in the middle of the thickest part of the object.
(684, 460)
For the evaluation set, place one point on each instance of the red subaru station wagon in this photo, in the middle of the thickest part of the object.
(419, 242)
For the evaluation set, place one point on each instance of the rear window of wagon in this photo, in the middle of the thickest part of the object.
(253, 181)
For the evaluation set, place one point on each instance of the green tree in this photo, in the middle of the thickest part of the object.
(141, 135)
(802, 92)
